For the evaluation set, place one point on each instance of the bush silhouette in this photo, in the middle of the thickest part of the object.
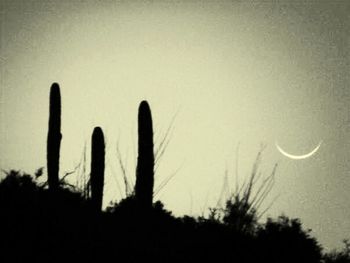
(284, 240)
(342, 256)
(33, 217)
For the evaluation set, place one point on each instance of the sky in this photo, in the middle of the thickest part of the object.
(225, 76)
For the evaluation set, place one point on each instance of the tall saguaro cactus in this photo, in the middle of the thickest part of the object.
(97, 168)
(145, 160)
(54, 137)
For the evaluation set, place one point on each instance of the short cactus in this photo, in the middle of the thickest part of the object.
(97, 168)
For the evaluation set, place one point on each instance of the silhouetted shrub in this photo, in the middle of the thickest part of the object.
(335, 256)
(242, 212)
(284, 240)
(32, 218)
(240, 216)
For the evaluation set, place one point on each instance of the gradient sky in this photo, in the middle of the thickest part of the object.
(232, 72)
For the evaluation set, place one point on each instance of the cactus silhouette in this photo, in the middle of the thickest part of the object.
(97, 168)
(145, 159)
(54, 137)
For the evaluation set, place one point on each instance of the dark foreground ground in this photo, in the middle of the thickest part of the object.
(37, 225)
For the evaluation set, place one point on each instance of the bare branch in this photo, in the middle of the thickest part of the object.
(123, 170)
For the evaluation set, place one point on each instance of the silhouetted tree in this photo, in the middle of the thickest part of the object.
(97, 168)
(145, 160)
(54, 137)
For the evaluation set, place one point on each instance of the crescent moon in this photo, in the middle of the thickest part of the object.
(297, 157)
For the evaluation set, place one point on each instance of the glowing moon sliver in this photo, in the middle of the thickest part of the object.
(297, 157)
